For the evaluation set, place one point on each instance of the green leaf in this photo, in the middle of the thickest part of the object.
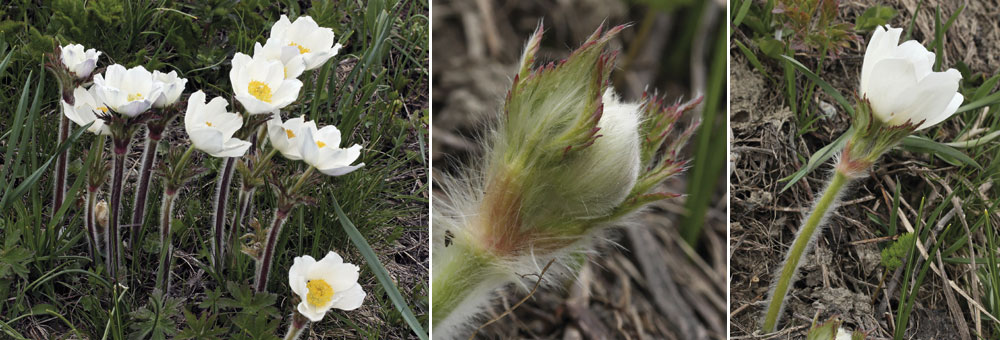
(822, 84)
(155, 320)
(817, 159)
(201, 327)
(945, 152)
(379, 270)
(874, 17)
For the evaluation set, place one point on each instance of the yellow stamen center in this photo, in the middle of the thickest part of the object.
(290, 133)
(320, 293)
(103, 109)
(302, 50)
(134, 96)
(320, 144)
(209, 124)
(260, 90)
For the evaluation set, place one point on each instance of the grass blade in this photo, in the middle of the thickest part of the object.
(817, 159)
(945, 152)
(822, 84)
(379, 270)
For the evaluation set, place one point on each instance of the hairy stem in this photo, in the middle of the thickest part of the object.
(142, 188)
(219, 212)
(264, 263)
(89, 218)
(813, 225)
(166, 248)
(113, 235)
(299, 324)
(461, 274)
(242, 209)
(61, 164)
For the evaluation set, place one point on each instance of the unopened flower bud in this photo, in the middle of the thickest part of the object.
(101, 214)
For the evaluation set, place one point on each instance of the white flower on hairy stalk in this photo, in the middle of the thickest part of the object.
(289, 56)
(172, 86)
(900, 94)
(314, 43)
(321, 149)
(78, 61)
(127, 92)
(85, 110)
(211, 127)
(899, 81)
(286, 137)
(260, 84)
(324, 284)
(567, 161)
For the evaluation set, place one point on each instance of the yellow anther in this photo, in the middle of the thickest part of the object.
(301, 49)
(260, 90)
(290, 133)
(320, 144)
(320, 293)
(134, 96)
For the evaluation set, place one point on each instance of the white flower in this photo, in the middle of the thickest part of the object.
(211, 128)
(85, 109)
(843, 334)
(128, 92)
(260, 85)
(78, 61)
(321, 149)
(288, 55)
(314, 43)
(900, 84)
(172, 87)
(286, 136)
(329, 283)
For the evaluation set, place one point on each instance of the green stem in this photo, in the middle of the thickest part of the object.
(461, 273)
(799, 247)
(259, 166)
(302, 179)
(166, 219)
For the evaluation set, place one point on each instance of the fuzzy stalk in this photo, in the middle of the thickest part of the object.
(219, 212)
(264, 263)
(62, 163)
(113, 234)
(91, 223)
(462, 274)
(166, 248)
(242, 210)
(803, 241)
(142, 188)
(298, 325)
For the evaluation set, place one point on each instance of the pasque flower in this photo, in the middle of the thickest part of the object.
(313, 42)
(288, 55)
(78, 61)
(85, 109)
(211, 127)
(901, 85)
(128, 92)
(286, 137)
(325, 284)
(260, 84)
(171, 88)
(321, 149)
(900, 94)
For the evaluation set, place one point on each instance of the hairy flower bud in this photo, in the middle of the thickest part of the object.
(101, 214)
(567, 160)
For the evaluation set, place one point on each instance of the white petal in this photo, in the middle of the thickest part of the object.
(313, 314)
(351, 299)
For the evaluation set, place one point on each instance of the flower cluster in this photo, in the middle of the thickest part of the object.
(116, 101)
